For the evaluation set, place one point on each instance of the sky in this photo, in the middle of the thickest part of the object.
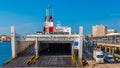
(28, 15)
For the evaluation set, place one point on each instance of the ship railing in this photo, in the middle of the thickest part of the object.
(20, 37)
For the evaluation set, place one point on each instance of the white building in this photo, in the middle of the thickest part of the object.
(111, 31)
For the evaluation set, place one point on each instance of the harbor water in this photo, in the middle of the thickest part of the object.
(5, 52)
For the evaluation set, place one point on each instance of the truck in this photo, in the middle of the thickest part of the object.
(109, 58)
(98, 56)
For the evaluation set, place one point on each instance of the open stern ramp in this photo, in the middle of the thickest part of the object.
(64, 42)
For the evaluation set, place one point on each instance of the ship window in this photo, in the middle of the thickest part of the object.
(99, 56)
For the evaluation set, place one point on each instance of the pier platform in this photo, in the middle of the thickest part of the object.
(44, 61)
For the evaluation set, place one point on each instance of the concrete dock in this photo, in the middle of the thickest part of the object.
(43, 61)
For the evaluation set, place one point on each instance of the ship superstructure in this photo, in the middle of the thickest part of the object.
(62, 29)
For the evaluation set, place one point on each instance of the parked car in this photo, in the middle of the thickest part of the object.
(109, 58)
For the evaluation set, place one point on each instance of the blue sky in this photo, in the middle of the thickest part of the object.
(28, 15)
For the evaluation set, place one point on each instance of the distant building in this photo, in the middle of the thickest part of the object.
(99, 30)
(111, 31)
(5, 38)
(90, 36)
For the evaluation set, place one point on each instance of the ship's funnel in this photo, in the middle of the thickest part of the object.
(48, 22)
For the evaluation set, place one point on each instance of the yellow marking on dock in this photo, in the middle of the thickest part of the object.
(13, 58)
(76, 62)
(73, 59)
(80, 60)
(35, 59)
(32, 59)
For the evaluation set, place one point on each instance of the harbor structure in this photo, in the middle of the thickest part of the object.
(105, 39)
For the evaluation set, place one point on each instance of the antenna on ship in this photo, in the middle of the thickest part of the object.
(47, 10)
(58, 25)
(52, 13)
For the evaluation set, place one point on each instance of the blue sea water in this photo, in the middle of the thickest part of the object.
(5, 52)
